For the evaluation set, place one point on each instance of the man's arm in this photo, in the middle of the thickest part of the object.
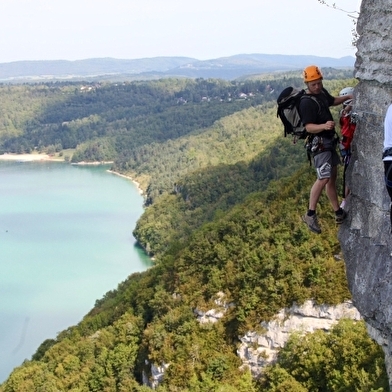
(316, 128)
(340, 100)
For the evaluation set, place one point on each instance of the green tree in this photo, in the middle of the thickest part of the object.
(344, 359)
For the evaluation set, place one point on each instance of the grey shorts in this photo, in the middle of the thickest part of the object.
(324, 162)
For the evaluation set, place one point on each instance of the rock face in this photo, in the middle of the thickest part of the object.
(157, 374)
(258, 350)
(366, 237)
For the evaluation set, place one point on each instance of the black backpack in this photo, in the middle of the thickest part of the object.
(288, 102)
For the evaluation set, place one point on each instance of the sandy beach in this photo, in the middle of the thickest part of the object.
(24, 157)
(129, 178)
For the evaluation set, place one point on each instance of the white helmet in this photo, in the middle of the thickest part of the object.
(347, 91)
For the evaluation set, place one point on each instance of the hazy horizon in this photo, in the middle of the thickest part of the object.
(71, 30)
(156, 57)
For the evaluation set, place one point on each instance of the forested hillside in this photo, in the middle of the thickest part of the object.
(201, 195)
(262, 261)
(224, 194)
(154, 131)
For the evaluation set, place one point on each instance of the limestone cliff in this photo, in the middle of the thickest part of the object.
(258, 350)
(365, 236)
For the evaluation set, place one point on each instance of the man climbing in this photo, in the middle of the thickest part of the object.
(347, 124)
(319, 122)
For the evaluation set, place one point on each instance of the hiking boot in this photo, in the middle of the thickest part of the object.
(340, 217)
(312, 223)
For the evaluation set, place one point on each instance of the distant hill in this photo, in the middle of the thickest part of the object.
(228, 68)
(247, 64)
(89, 68)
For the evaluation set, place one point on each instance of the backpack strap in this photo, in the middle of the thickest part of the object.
(320, 104)
(314, 99)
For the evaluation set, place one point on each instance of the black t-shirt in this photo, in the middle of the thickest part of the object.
(313, 113)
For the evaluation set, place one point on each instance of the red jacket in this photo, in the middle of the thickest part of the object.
(347, 127)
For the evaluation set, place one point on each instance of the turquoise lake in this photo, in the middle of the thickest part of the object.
(65, 240)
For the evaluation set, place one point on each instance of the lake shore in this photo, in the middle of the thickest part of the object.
(81, 163)
(26, 157)
(50, 220)
(46, 157)
(129, 178)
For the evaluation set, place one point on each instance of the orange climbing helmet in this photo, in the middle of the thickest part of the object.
(312, 73)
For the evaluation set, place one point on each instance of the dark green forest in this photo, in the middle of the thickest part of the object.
(224, 192)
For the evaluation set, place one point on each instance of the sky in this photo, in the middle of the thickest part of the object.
(201, 29)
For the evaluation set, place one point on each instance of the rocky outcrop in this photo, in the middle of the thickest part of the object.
(157, 374)
(214, 315)
(258, 350)
(365, 237)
